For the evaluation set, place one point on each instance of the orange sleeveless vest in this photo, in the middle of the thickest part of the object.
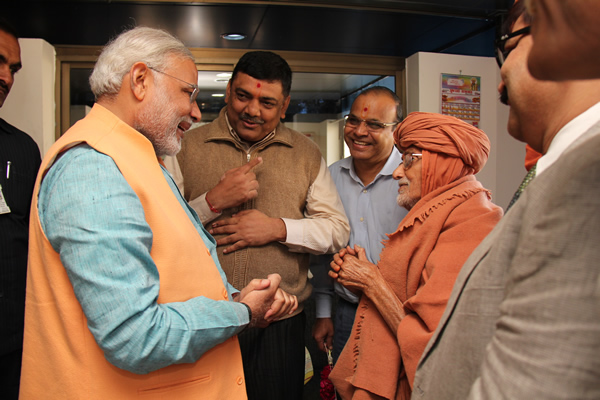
(61, 359)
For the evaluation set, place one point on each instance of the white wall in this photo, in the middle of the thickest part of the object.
(326, 134)
(30, 103)
(504, 169)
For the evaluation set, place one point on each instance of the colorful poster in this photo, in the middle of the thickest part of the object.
(461, 97)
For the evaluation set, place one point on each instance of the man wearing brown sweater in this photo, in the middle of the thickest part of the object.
(271, 200)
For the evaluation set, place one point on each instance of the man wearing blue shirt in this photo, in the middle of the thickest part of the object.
(368, 191)
(125, 293)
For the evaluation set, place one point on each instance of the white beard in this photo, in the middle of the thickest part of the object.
(155, 122)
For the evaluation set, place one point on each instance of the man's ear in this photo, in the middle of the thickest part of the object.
(286, 103)
(140, 78)
(227, 95)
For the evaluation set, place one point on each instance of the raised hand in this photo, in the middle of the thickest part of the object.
(237, 186)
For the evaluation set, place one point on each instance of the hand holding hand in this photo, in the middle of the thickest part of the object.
(356, 273)
(267, 301)
(283, 304)
(338, 260)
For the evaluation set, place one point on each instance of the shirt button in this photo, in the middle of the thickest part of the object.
(240, 380)
(225, 293)
(361, 219)
(364, 190)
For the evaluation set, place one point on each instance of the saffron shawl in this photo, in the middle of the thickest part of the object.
(420, 262)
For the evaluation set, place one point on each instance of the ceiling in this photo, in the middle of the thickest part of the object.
(396, 28)
(368, 27)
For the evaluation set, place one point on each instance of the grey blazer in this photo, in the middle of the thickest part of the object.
(523, 320)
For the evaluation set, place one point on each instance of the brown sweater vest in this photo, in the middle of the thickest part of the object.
(61, 359)
(290, 165)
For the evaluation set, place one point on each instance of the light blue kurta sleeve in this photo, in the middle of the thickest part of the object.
(95, 221)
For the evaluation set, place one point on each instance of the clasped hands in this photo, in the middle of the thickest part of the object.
(351, 268)
(267, 301)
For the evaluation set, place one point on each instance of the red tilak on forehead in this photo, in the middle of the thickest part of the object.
(258, 85)
(366, 109)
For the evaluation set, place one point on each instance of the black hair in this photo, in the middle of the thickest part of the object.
(382, 90)
(518, 9)
(7, 27)
(267, 66)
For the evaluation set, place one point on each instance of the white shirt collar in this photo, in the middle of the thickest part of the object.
(567, 136)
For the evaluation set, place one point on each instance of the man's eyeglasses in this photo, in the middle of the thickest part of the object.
(408, 158)
(501, 53)
(372, 126)
(195, 88)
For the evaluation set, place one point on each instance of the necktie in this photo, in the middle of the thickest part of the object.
(530, 175)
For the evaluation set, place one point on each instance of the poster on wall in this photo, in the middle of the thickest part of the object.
(461, 97)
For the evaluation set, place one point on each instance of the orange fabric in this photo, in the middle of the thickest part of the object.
(531, 157)
(444, 134)
(420, 262)
(61, 359)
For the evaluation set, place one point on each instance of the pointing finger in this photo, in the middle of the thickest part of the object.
(251, 164)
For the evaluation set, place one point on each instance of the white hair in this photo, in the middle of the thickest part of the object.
(142, 44)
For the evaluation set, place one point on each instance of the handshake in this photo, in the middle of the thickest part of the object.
(267, 301)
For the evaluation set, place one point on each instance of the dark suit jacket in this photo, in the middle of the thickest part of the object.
(16, 184)
(523, 320)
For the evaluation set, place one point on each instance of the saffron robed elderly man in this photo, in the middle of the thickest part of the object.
(125, 295)
(523, 320)
(404, 295)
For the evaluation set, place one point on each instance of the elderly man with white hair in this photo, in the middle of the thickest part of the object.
(405, 294)
(125, 294)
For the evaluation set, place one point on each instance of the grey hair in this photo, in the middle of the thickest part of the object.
(142, 44)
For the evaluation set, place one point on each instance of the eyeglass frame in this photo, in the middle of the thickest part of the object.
(501, 54)
(196, 88)
(408, 153)
(379, 125)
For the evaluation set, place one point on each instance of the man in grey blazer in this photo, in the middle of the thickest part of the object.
(523, 320)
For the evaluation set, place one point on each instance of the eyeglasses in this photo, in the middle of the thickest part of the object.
(372, 126)
(195, 88)
(408, 158)
(501, 53)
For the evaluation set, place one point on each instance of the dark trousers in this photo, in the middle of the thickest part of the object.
(10, 374)
(274, 360)
(342, 324)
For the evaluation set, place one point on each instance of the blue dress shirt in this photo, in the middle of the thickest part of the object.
(95, 221)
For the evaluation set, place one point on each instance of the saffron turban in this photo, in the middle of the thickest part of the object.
(444, 134)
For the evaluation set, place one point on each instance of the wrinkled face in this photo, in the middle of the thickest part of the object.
(168, 112)
(566, 37)
(532, 102)
(409, 181)
(254, 107)
(374, 145)
(10, 63)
